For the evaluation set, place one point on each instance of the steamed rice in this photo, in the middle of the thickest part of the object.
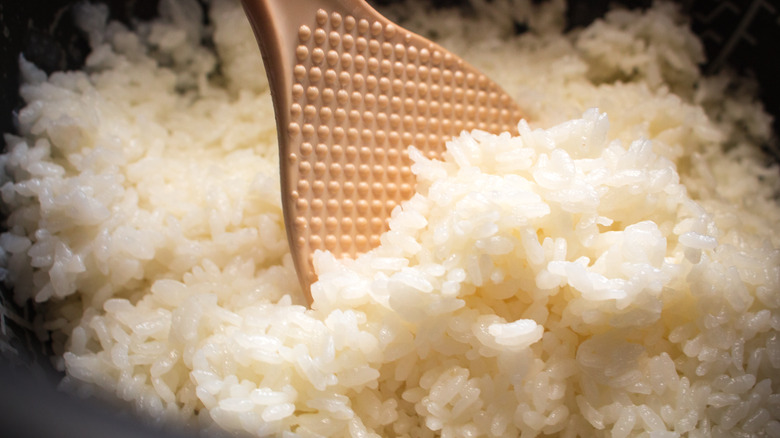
(612, 271)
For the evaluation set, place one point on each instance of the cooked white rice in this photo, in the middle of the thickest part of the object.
(612, 271)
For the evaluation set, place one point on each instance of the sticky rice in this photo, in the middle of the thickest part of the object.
(613, 270)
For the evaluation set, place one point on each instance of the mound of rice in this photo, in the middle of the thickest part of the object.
(612, 271)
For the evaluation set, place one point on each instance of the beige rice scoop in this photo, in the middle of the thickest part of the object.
(351, 92)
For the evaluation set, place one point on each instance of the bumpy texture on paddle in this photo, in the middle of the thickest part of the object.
(364, 91)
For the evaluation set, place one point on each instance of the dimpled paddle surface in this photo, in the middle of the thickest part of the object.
(363, 91)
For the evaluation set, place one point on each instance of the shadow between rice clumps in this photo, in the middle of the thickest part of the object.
(738, 37)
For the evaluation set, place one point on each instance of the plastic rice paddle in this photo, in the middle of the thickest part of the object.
(351, 92)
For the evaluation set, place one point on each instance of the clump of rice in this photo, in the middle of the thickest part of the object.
(608, 272)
